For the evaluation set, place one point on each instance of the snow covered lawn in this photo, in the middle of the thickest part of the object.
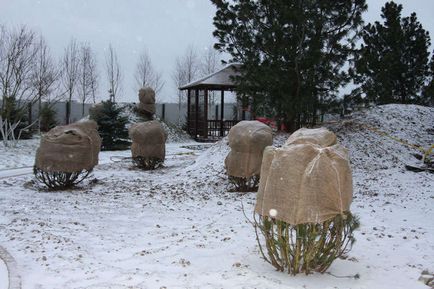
(181, 227)
(4, 282)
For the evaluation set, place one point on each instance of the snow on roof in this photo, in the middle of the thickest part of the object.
(220, 79)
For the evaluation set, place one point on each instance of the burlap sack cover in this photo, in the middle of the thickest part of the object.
(147, 100)
(247, 140)
(320, 136)
(69, 148)
(305, 182)
(149, 140)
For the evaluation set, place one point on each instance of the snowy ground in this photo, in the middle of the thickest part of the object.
(180, 227)
(4, 282)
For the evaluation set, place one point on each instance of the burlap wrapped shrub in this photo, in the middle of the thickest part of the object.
(247, 140)
(149, 144)
(67, 154)
(303, 202)
(146, 106)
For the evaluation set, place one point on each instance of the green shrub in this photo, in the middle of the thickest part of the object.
(111, 125)
(47, 118)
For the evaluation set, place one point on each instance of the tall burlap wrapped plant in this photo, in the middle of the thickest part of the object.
(247, 140)
(146, 106)
(67, 154)
(303, 203)
(149, 144)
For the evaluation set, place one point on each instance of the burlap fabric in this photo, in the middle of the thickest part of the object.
(69, 148)
(147, 100)
(320, 136)
(149, 140)
(304, 182)
(247, 140)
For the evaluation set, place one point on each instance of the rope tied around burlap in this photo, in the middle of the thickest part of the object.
(308, 180)
(69, 148)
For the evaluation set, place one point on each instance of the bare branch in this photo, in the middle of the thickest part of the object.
(70, 73)
(146, 75)
(17, 55)
(88, 81)
(114, 74)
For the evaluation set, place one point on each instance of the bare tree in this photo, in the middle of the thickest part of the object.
(146, 75)
(70, 74)
(17, 55)
(114, 74)
(186, 70)
(44, 73)
(88, 77)
(94, 76)
(210, 63)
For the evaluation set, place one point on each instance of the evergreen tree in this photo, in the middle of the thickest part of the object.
(15, 113)
(292, 52)
(428, 91)
(47, 118)
(392, 63)
(111, 125)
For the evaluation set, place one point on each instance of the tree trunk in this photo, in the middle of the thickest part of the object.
(68, 112)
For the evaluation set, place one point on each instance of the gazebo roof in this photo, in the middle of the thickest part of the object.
(220, 80)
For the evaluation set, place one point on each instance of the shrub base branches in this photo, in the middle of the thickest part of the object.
(241, 184)
(305, 248)
(148, 163)
(60, 180)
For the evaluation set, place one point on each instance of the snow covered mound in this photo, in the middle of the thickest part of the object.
(378, 138)
(213, 158)
(384, 136)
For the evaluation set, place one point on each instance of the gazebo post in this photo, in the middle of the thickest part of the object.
(222, 112)
(198, 123)
(205, 114)
(188, 111)
(243, 108)
(196, 104)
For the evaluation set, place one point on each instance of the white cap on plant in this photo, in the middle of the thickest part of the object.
(273, 213)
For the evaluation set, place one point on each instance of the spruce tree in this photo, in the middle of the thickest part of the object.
(111, 125)
(47, 118)
(292, 52)
(392, 63)
(428, 91)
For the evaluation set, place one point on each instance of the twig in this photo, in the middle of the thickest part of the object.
(356, 276)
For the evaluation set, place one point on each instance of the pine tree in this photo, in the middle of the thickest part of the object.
(111, 125)
(428, 91)
(392, 63)
(17, 114)
(292, 52)
(47, 118)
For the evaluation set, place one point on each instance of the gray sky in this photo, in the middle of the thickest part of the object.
(164, 27)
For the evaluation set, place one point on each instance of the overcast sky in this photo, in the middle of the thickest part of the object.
(164, 27)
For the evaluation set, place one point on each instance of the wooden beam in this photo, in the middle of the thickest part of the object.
(222, 112)
(196, 112)
(205, 114)
(188, 112)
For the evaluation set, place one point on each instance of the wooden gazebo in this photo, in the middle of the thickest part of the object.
(198, 125)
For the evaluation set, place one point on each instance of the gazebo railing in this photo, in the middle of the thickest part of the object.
(215, 128)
